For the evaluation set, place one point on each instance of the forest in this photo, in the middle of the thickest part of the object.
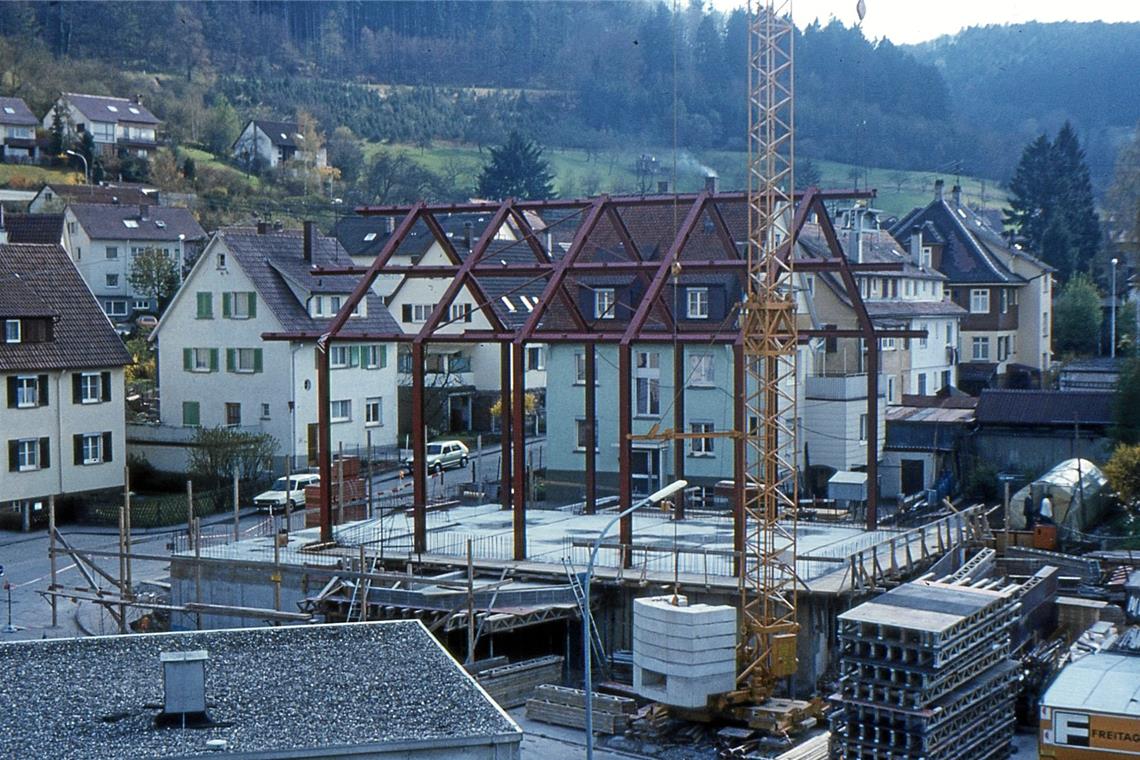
(584, 74)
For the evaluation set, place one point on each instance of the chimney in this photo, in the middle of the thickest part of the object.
(262, 228)
(710, 183)
(183, 688)
(310, 229)
(144, 211)
(468, 229)
(663, 187)
(390, 224)
(956, 194)
(916, 244)
(138, 99)
(938, 189)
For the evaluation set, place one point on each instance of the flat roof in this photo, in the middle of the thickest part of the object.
(309, 689)
(1104, 682)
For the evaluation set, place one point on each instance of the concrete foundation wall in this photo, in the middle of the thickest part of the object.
(227, 583)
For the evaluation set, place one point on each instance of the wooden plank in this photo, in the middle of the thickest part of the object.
(570, 697)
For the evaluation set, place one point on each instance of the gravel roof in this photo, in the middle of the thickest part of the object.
(270, 690)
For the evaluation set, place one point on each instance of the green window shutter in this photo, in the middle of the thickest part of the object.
(213, 360)
(77, 446)
(108, 454)
(227, 305)
(190, 413)
(231, 359)
(257, 360)
(188, 359)
(105, 379)
(76, 388)
(383, 356)
(45, 453)
(252, 305)
(354, 356)
(42, 396)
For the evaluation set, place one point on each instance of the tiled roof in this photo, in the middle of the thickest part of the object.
(104, 108)
(83, 336)
(102, 194)
(162, 223)
(15, 111)
(911, 309)
(1037, 407)
(274, 261)
(285, 133)
(879, 247)
(34, 228)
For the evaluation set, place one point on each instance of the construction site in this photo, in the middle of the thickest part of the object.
(739, 617)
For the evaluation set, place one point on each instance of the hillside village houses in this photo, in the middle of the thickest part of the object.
(54, 198)
(272, 143)
(103, 239)
(216, 370)
(18, 131)
(115, 124)
(63, 418)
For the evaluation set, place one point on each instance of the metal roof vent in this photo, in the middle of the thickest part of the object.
(184, 688)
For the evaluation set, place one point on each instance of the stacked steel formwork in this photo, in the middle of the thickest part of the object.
(926, 674)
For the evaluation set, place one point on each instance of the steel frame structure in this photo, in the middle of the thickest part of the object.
(569, 325)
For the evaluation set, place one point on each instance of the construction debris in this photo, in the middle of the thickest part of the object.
(512, 685)
(563, 706)
(926, 673)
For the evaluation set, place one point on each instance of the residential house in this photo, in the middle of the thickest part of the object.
(115, 124)
(103, 240)
(18, 130)
(907, 294)
(272, 143)
(924, 449)
(53, 198)
(1006, 333)
(62, 422)
(216, 370)
(462, 381)
(33, 228)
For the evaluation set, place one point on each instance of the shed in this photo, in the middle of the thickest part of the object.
(367, 690)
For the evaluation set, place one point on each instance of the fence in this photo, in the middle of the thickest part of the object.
(154, 511)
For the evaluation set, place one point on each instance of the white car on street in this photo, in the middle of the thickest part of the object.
(291, 491)
(442, 455)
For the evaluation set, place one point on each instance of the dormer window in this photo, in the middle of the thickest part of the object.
(12, 331)
(698, 303)
(926, 257)
(9, 110)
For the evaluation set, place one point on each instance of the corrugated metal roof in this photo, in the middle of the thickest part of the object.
(1102, 682)
(1036, 407)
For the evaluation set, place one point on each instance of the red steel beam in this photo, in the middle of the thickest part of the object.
(324, 445)
(679, 425)
(632, 250)
(607, 337)
(419, 458)
(625, 450)
(518, 449)
(542, 256)
(591, 429)
(505, 424)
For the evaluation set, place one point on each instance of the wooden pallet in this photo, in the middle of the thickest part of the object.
(512, 685)
(563, 706)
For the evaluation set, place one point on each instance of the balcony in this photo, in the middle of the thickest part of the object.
(840, 387)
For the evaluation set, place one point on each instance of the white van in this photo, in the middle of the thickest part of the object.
(282, 491)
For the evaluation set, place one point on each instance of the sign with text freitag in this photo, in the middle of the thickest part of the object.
(1072, 735)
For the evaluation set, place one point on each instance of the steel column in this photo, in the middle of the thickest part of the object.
(419, 458)
(505, 424)
(625, 449)
(518, 443)
(324, 440)
(679, 425)
(591, 429)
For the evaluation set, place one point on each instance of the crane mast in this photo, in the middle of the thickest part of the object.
(767, 645)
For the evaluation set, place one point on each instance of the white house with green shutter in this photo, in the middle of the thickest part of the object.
(214, 369)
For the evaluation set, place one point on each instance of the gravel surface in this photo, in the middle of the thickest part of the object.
(267, 689)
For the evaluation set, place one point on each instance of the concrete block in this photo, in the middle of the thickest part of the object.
(663, 628)
(682, 653)
(683, 643)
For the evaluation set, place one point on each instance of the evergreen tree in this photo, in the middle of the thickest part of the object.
(1075, 193)
(516, 170)
(1126, 427)
(1032, 187)
(1077, 316)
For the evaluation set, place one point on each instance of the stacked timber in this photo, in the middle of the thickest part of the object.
(511, 685)
(563, 706)
(353, 489)
(926, 673)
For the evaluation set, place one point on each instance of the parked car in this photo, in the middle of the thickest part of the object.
(291, 491)
(146, 322)
(442, 455)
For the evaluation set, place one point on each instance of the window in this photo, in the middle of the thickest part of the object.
(221, 261)
(698, 301)
(417, 312)
(373, 414)
(926, 256)
(921, 384)
(239, 305)
(701, 446)
(981, 349)
(924, 339)
(233, 414)
(604, 302)
(979, 301)
(72, 228)
(89, 449)
(116, 307)
(862, 427)
(190, 416)
(340, 357)
(374, 356)
(583, 434)
(949, 334)
(909, 288)
(890, 390)
(1003, 300)
(580, 369)
(340, 410)
(141, 304)
(404, 362)
(460, 312)
(112, 280)
(243, 359)
(11, 331)
(536, 358)
(131, 224)
(648, 374)
(112, 252)
(25, 391)
(29, 454)
(205, 305)
(886, 344)
(200, 359)
(264, 411)
(701, 372)
(90, 386)
(369, 237)
(1044, 324)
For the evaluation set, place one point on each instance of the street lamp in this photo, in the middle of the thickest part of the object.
(1112, 314)
(181, 256)
(86, 168)
(588, 679)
